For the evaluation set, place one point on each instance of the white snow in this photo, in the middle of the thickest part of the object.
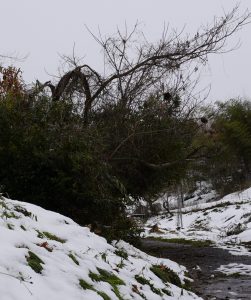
(226, 222)
(58, 241)
(203, 193)
(235, 269)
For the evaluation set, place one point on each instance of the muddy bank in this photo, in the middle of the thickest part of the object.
(208, 283)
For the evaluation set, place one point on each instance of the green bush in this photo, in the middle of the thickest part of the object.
(228, 164)
(123, 228)
(50, 156)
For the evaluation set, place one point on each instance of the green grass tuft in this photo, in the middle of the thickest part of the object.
(104, 295)
(144, 281)
(34, 262)
(193, 243)
(85, 285)
(50, 236)
(22, 227)
(95, 276)
(234, 275)
(103, 256)
(166, 275)
(116, 291)
(165, 291)
(121, 264)
(121, 253)
(110, 278)
(141, 279)
(10, 226)
(73, 257)
(3, 204)
(23, 211)
(9, 214)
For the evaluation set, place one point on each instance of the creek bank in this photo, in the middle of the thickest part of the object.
(202, 264)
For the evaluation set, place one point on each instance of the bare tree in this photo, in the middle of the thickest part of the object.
(135, 69)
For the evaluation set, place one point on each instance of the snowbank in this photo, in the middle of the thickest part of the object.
(44, 255)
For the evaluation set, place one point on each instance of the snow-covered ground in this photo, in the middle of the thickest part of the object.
(226, 222)
(202, 193)
(44, 255)
(235, 269)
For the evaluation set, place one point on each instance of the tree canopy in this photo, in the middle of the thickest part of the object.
(88, 143)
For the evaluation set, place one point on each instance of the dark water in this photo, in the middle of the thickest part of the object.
(208, 283)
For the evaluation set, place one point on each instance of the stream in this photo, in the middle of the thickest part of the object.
(208, 283)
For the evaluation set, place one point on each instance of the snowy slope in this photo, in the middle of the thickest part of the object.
(226, 221)
(44, 255)
(202, 193)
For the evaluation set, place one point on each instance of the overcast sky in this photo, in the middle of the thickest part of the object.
(44, 29)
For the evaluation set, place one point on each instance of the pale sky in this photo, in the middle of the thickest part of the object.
(44, 29)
